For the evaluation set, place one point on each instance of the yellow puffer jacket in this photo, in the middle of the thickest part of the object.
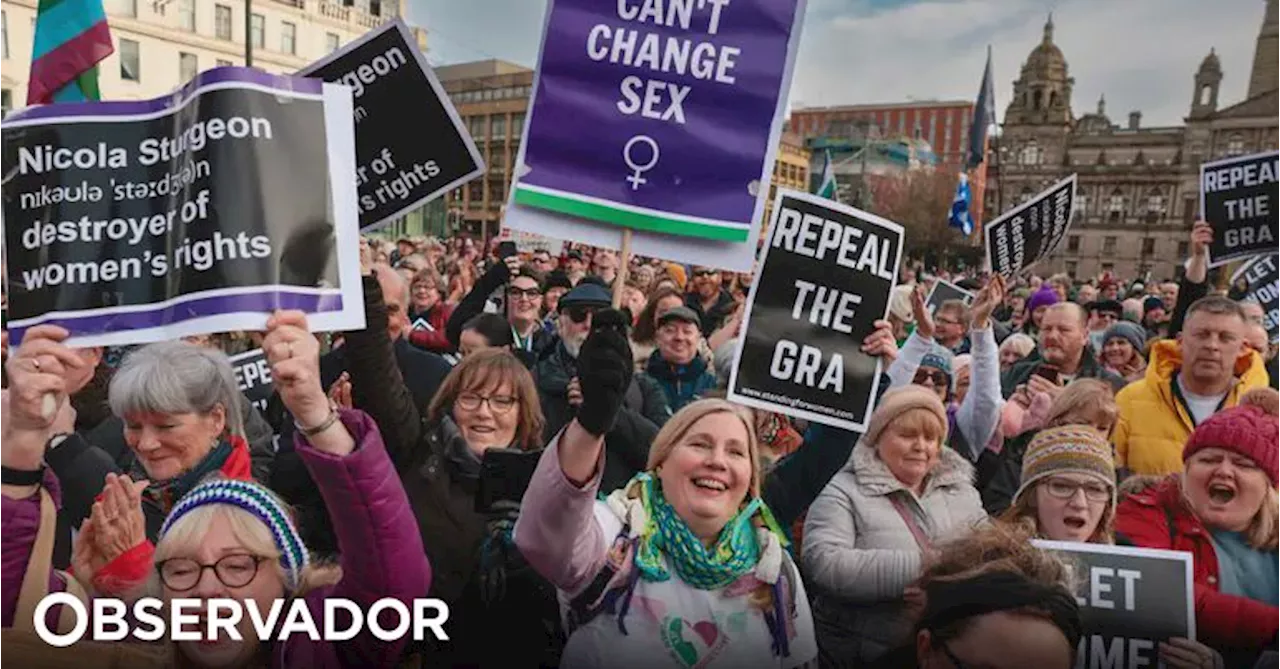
(1154, 425)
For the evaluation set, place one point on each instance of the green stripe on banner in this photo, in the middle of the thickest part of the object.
(628, 219)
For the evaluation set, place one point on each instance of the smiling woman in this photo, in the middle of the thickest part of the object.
(1222, 508)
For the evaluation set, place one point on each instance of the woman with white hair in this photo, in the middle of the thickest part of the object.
(684, 566)
(225, 538)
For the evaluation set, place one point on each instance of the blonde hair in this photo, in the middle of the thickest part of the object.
(679, 425)
(1263, 532)
(1083, 402)
(188, 532)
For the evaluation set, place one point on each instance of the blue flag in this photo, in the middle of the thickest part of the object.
(960, 217)
(984, 114)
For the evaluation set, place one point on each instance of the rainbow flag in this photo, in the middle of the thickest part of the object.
(72, 37)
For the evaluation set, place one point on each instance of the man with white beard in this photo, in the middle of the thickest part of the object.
(644, 406)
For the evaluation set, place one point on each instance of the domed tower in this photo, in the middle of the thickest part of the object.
(1204, 100)
(1042, 94)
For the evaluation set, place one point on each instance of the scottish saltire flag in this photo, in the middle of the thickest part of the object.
(984, 114)
(960, 207)
(827, 187)
(72, 37)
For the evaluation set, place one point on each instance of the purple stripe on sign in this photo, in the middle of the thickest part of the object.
(217, 75)
(80, 326)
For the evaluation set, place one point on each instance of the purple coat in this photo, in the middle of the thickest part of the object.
(381, 549)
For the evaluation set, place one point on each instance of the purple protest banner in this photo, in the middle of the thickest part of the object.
(659, 117)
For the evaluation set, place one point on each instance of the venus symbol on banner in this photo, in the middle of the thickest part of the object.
(635, 177)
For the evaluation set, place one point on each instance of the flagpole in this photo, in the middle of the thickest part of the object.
(248, 33)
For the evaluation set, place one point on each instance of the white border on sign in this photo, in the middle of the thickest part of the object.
(235, 359)
(936, 281)
(445, 101)
(1206, 166)
(1019, 209)
(340, 146)
(1250, 262)
(733, 256)
(751, 301)
(1153, 553)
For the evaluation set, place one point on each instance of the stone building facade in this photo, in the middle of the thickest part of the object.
(1138, 186)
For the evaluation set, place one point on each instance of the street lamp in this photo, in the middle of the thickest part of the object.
(248, 33)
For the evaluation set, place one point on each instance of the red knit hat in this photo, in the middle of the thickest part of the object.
(1250, 429)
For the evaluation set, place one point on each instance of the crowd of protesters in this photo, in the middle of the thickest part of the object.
(657, 523)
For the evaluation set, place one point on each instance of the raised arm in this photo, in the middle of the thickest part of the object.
(903, 370)
(1195, 281)
(979, 413)
(473, 303)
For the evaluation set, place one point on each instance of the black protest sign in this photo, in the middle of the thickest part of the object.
(411, 146)
(198, 212)
(1262, 286)
(824, 279)
(944, 291)
(1130, 599)
(253, 374)
(1238, 197)
(1031, 232)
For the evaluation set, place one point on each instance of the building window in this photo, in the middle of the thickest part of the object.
(1108, 244)
(187, 15)
(499, 127)
(1155, 203)
(188, 66)
(331, 42)
(1184, 248)
(1071, 268)
(288, 38)
(475, 192)
(1115, 207)
(478, 124)
(224, 63)
(222, 21)
(6, 102)
(1082, 206)
(4, 33)
(1031, 154)
(130, 61)
(1148, 246)
(1073, 244)
(1108, 267)
(1190, 209)
(127, 7)
(498, 162)
(258, 29)
(517, 125)
(1235, 145)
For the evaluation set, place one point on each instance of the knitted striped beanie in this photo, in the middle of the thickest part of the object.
(1068, 449)
(258, 501)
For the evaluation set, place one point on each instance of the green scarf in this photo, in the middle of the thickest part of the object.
(736, 552)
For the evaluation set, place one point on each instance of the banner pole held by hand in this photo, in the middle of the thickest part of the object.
(624, 268)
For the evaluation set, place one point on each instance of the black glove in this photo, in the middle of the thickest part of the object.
(604, 371)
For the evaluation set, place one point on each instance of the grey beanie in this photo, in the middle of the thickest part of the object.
(1129, 331)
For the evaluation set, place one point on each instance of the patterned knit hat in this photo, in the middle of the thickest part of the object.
(260, 503)
(1250, 429)
(1069, 449)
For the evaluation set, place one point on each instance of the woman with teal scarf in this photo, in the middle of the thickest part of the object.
(682, 567)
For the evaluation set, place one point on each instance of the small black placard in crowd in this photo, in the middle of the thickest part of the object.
(1130, 599)
(1259, 274)
(824, 280)
(943, 291)
(1238, 197)
(411, 146)
(1031, 232)
(253, 374)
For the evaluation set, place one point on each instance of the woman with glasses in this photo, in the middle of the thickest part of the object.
(870, 530)
(522, 288)
(488, 402)
(428, 312)
(229, 538)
